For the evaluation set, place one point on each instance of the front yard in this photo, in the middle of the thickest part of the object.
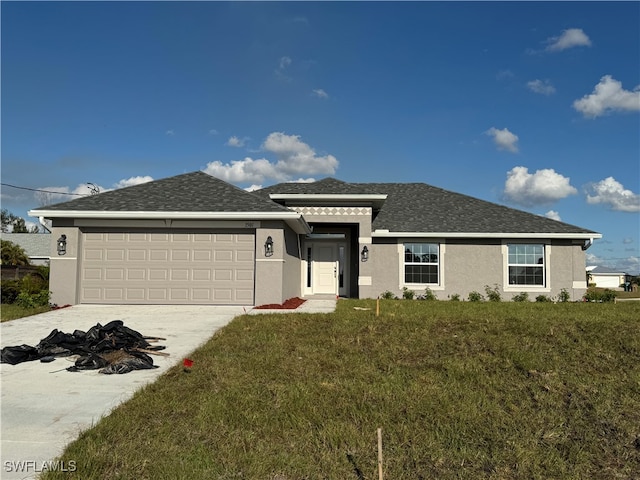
(460, 390)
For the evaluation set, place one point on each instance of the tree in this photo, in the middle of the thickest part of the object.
(17, 224)
(13, 255)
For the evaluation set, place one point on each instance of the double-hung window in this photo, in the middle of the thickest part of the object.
(527, 264)
(422, 263)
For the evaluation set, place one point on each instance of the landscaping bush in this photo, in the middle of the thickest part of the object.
(542, 298)
(455, 297)
(408, 294)
(521, 297)
(493, 294)
(475, 296)
(601, 296)
(564, 296)
(32, 300)
(428, 295)
(388, 295)
(10, 290)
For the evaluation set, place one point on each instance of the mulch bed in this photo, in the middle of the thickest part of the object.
(290, 304)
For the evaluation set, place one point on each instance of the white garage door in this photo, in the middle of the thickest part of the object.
(214, 268)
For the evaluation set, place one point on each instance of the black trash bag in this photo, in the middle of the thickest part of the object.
(88, 362)
(132, 361)
(19, 354)
(58, 344)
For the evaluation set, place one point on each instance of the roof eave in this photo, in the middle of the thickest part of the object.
(294, 219)
(572, 236)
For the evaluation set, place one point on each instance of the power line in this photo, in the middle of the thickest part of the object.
(43, 191)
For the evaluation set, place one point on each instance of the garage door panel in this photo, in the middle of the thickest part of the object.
(165, 267)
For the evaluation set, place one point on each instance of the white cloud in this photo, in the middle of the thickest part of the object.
(540, 188)
(253, 188)
(235, 142)
(213, 131)
(593, 259)
(627, 240)
(505, 75)
(320, 93)
(504, 139)
(542, 87)
(293, 157)
(553, 215)
(169, 133)
(608, 96)
(128, 182)
(610, 192)
(284, 62)
(572, 37)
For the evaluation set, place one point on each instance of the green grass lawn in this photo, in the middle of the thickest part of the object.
(10, 311)
(460, 390)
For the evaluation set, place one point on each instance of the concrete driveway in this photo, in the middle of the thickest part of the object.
(44, 409)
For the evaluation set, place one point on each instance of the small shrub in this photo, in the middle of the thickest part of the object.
(542, 299)
(10, 290)
(428, 295)
(521, 297)
(493, 294)
(455, 297)
(475, 296)
(408, 294)
(604, 296)
(564, 296)
(32, 300)
(387, 295)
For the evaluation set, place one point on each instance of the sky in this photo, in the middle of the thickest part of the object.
(535, 106)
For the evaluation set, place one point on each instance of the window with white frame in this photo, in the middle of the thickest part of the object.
(526, 264)
(421, 263)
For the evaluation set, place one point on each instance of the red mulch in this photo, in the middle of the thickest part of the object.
(289, 304)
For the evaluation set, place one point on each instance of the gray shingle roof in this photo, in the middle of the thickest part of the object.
(409, 207)
(35, 245)
(190, 192)
(418, 207)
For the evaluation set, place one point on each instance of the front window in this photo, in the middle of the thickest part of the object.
(526, 264)
(421, 263)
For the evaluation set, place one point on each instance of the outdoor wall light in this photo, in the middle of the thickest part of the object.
(62, 245)
(268, 247)
(364, 255)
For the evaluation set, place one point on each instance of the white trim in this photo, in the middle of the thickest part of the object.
(294, 219)
(365, 280)
(422, 286)
(430, 235)
(281, 260)
(526, 288)
(362, 240)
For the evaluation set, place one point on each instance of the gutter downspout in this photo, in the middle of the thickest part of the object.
(42, 222)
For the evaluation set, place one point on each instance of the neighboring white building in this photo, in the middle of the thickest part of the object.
(605, 277)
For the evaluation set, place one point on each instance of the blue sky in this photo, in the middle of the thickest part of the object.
(532, 105)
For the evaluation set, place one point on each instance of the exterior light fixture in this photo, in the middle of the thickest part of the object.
(62, 245)
(364, 255)
(268, 247)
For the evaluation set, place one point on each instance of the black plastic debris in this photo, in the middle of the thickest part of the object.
(112, 348)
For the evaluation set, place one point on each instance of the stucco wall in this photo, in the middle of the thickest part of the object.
(467, 266)
(63, 276)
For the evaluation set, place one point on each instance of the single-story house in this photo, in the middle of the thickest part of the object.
(605, 277)
(37, 246)
(196, 239)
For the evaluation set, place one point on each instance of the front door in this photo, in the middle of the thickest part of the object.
(325, 268)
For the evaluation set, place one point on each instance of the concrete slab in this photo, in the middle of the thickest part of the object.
(43, 409)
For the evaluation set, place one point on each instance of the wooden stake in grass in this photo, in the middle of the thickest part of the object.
(378, 307)
(380, 475)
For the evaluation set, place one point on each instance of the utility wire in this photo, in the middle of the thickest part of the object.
(43, 191)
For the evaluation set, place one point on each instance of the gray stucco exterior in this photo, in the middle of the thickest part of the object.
(329, 237)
